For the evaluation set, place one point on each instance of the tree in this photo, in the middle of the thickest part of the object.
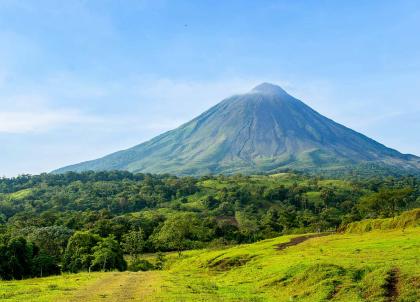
(133, 243)
(248, 227)
(51, 240)
(385, 202)
(16, 256)
(330, 218)
(20, 257)
(269, 221)
(174, 232)
(79, 252)
(328, 196)
(287, 217)
(210, 202)
(306, 219)
(44, 265)
(279, 193)
(108, 255)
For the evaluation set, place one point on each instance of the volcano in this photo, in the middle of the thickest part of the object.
(263, 131)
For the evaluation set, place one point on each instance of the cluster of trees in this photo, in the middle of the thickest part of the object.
(53, 249)
(73, 222)
(20, 258)
(88, 251)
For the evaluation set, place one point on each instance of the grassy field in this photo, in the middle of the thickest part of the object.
(381, 265)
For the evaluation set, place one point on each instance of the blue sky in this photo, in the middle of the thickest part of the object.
(80, 79)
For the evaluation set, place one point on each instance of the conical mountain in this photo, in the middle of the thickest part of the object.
(264, 130)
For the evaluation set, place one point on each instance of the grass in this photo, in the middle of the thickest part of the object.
(345, 267)
(111, 286)
(406, 219)
(380, 265)
(336, 183)
(19, 195)
(46, 289)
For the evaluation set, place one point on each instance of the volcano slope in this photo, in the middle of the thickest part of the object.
(264, 130)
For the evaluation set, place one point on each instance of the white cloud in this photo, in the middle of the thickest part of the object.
(144, 103)
(39, 121)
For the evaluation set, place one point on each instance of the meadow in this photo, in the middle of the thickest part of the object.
(380, 265)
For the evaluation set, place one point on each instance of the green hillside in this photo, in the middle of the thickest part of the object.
(210, 238)
(263, 131)
(374, 266)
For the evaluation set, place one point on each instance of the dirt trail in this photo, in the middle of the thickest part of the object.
(127, 286)
(298, 240)
(391, 285)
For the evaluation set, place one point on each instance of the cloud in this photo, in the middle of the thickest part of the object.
(34, 108)
(144, 104)
(16, 122)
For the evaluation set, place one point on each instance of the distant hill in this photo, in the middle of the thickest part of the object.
(263, 131)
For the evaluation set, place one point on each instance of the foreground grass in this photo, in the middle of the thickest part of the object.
(112, 286)
(373, 266)
(348, 267)
(46, 289)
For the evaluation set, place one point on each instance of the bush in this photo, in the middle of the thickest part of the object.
(160, 261)
(140, 265)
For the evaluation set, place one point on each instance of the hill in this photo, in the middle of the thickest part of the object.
(264, 130)
(216, 209)
(376, 266)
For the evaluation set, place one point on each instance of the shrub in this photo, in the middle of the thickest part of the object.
(140, 265)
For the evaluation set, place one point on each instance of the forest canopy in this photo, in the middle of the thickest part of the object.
(88, 221)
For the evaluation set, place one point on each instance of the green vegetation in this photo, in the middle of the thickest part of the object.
(86, 287)
(22, 259)
(406, 219)
(336, 267)
(377, 266)
(86, 222)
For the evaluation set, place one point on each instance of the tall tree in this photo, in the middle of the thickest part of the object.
(133, 243)
(79, 252)
(108, 255)
(174, 233)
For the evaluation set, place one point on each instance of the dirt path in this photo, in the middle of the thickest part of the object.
(298, 240)
(391, 285)
(127, 286)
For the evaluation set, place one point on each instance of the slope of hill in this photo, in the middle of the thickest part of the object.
(229, 209)
(264, 130)
(374, 266)
(406, 219)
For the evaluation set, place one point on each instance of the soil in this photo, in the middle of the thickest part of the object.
(298, 240)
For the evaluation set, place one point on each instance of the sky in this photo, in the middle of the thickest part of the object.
(81, 79)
